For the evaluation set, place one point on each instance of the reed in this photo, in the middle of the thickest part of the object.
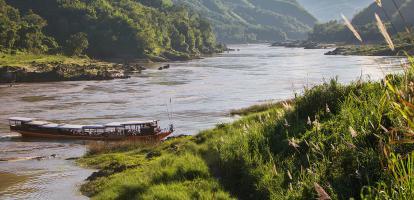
(407, 29)
(384, 32)
(379, 3)
(351, 28)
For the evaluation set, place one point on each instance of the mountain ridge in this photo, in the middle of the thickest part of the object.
(254, 20)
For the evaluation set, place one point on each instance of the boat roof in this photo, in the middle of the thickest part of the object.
(52, 125)
(114, 124)
(70, 126)
(38, 123)
(138, 122)
(22, 119)
(96, 126)
(46, 124)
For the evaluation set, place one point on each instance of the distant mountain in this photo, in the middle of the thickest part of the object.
(254, 20)
(406, 8)
(365, 23)
(326, 10)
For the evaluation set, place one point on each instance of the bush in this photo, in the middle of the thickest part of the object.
(77, 44)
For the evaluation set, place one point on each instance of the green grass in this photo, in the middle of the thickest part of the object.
(260, 108)
(341, 137)
(173, 172)
(27, 60)
(56, 67)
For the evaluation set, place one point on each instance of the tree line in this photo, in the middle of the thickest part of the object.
(104, 28)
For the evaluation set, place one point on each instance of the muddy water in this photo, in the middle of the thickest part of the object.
(201, 92)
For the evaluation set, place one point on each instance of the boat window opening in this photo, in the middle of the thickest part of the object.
(14, 123)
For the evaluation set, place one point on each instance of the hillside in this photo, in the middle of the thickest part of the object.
(364, 22)
(391, 14)
(254, 20)
(326, 10)
(120, 28)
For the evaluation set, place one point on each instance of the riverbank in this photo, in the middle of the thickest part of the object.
(26, 67)
(303, 44)
(352, 50)
(334, 141)
(373, 50)
(23, 67)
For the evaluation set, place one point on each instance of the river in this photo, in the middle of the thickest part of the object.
(197, 93)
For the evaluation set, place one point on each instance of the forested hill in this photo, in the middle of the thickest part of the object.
(254, 20)
(388, 13)
(364, 22)
(108, 28)
(326, 10)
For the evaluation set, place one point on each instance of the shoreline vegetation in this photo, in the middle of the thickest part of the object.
(373, 50)
(29, 67)
(401, 49)
(334, 141)
(54, 41)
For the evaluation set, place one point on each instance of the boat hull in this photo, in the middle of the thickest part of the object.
(51, 135)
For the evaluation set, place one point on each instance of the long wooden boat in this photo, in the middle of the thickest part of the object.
(129, 130)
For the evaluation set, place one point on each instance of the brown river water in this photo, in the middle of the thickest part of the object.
(202, 93)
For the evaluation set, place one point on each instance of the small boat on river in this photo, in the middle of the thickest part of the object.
(129, 130)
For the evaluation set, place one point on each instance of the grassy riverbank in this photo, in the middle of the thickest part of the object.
(339, 140)
(27, 60)
(28, 67)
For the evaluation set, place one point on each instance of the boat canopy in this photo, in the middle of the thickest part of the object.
(50, 126)
(93, 127)
(70, 126)
(46, 124)
(38, 123)
(21, 119)
(138, 122)
(114, 125)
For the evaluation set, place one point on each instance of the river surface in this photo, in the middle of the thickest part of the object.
(198, 94)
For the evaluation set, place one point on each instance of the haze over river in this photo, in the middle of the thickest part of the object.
(202, 93)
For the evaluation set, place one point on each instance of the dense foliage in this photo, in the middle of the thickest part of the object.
(22, 31)
(254, 20)
(119, 28)
(334, 31)
(345, 142)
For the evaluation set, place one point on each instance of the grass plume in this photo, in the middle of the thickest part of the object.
(351, 28)
(384, 32)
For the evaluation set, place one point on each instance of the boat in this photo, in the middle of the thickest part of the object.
(148, 130)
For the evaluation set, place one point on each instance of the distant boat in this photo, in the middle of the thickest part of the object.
(129, 130)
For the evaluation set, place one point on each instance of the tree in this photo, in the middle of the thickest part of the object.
(77, 44)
